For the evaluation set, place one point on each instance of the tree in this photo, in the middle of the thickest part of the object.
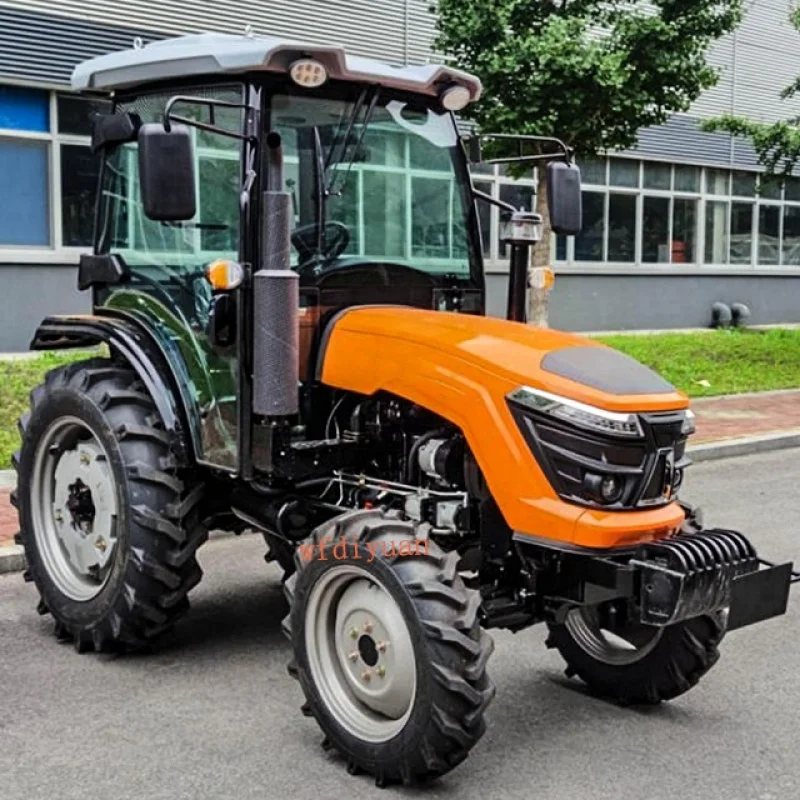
(777, 144)
(590, 72)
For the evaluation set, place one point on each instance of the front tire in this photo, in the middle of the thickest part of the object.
(389, 652)
(636, 664)
(108, 518)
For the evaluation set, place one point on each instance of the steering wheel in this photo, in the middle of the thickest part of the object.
(335, 238)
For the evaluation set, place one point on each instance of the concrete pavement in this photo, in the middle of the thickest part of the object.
(213, 714)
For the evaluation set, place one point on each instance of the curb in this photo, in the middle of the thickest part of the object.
(12, 559)
(746, 446)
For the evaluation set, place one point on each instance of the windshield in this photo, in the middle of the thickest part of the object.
(390, 189)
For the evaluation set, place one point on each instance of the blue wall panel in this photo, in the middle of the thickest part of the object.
(24, 109)
(24, 204)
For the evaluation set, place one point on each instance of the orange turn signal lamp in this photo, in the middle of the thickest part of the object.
(224, 275)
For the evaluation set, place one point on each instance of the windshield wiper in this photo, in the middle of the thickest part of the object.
(322, 191)
(325, 188)
(373, 100)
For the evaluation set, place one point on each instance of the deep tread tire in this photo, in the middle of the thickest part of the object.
(158, 525)
(454, 689)
(685, 652)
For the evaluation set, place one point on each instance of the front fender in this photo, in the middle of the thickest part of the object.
(146, 355)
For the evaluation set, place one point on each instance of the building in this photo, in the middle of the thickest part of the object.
(669, 228)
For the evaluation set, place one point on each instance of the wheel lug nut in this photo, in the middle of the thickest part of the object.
(100, 544)
(381, 646)
(58, 516)
(381, 670)
(366, 676)
(85, 458)
(354, 633)
(368, 626)
(353, 656)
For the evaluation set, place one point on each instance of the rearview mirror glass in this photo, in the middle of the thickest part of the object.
(564, 198)
(167, 172)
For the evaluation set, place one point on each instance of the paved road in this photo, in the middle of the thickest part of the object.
(214, 714)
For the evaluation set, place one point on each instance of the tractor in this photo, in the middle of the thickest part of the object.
(288, 291)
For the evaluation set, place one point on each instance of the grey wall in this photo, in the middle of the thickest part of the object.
(32, 292)
(630, 302)
(755, 62)
(399, 31)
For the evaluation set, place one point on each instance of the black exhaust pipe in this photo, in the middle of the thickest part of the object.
(276, 299)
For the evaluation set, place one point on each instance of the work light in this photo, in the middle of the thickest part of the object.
(308, 73)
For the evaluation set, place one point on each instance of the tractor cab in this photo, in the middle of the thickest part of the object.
(242, 154)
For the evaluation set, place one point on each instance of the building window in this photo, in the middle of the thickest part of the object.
(589, 242)
(684, 230)
(655, 230)
(495, 181)
(769, 234)
(741, 251)
(655, 213)
(622, 227)
(49, 173)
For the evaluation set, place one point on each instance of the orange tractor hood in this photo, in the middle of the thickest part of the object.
(512, 353)
(462, 368)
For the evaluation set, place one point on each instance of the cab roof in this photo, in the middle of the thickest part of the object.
(230, 54)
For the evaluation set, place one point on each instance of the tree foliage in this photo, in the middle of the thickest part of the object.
(777, 144)
(592, 72)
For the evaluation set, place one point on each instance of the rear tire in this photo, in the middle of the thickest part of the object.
(665, 664)
(420, 710)
(114, 565)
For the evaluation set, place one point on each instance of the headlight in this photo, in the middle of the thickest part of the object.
(688, 427)
(579, 414)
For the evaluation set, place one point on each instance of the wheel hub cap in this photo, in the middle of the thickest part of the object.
(73, 501)
(360, 653)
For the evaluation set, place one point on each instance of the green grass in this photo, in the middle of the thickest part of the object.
(731, 361)
(17, 378)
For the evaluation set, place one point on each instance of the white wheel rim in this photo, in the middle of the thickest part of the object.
(74, 508)
(626, 645)
(360, 653)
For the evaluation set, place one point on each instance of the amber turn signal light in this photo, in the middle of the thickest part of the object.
(224, 275)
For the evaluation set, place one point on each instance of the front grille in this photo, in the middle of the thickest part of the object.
(648, 468)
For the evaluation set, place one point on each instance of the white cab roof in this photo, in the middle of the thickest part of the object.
(229, 54)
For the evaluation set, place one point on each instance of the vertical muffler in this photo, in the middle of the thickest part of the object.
(276, 299)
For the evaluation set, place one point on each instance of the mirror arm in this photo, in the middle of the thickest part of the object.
(211, 103)
(565, 154)
(525, 159)
(205, 127)
(487, 198)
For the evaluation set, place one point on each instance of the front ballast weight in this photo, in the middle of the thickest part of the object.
(705, 572)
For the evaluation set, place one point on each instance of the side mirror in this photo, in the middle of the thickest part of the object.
(167, 172)
(564, 198)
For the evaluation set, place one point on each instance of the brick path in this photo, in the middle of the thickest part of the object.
(718, 418)
(734, 416)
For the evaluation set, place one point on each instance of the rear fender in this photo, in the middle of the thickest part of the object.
(158, 369)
